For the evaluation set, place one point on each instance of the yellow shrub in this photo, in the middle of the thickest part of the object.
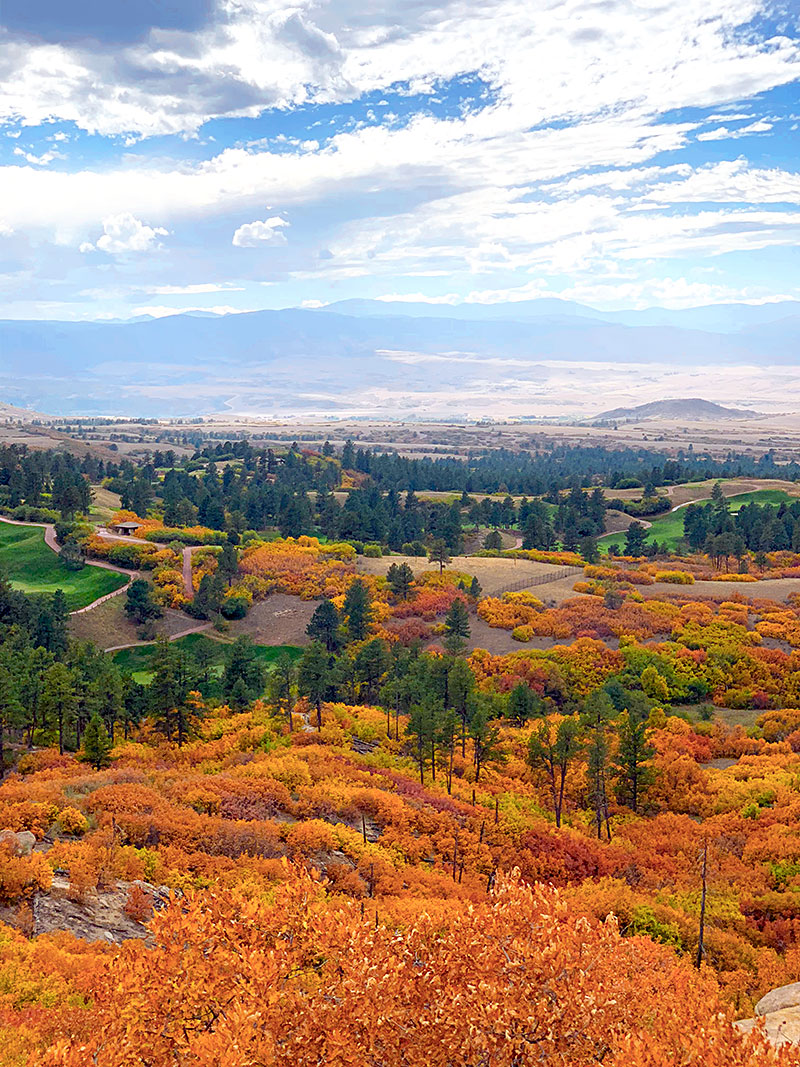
(675, 577)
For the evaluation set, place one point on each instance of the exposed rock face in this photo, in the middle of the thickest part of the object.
(785, 996)
(22, 843)
(781, 1027)
(780, 1011)
(100, 916)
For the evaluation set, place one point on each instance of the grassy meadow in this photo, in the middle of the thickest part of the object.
(31, 566)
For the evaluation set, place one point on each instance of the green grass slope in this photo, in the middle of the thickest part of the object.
(139, 660)
(669, 527)
(34, 568)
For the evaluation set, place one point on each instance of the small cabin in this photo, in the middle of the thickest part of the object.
(127, 529)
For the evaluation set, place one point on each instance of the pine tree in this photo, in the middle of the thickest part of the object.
(139, 603)
(97, 744)
(325, 626)
(633, 773)
(552, 748)
(438, 553)
(635, 539)
(243, 666)
(314, 676)
(456, 622)
(357, 610)
(486, 745)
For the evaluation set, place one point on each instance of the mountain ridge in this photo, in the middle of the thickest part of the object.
(678, 407)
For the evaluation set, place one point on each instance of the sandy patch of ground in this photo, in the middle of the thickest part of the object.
(492, 572)
(278, 620)
(618, 521)
(770, 589)
(498, 641)
(107, 625)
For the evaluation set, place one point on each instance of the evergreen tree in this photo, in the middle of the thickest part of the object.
(633, 773)
(12, 713)
(357, 610)
(59, 700)
(372, 661)
(400, 579)
(486, 744)
(243, 666)
(456, 621)
(228, 563)
(282, 684)
(438, 553)
(97, 744)
(139, 604)
(553, 748)
(635, 539)
(314, 676)
(523, 703)
(423, 726)
(325, 626)
(596, 718)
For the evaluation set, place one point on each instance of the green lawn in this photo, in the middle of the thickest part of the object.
(669, 527)
(34, 568)
(139, 660)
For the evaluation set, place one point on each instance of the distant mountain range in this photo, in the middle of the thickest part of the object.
(718, 318)
(374, 358)
(691, 408)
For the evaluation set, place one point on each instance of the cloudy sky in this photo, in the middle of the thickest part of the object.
(241, 154)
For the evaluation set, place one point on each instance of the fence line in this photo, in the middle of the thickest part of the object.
(537, 579)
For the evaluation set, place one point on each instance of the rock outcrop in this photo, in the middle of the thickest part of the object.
(779, 1011)
(98, 916)
(22, 843)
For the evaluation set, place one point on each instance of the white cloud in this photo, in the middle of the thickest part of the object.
(632, 293)
(547, 60)
(722, 133)
(125, 233)
(419, 298)
(161, 311)
(549, 173)
(191, 290)
(253, 234)
(38, 161)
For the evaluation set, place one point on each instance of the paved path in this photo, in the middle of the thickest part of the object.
(51, 542)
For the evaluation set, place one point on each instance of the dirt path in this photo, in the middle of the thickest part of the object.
(171, 637)
(188, 587)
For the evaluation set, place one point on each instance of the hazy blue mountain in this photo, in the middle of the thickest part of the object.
(718, 318)
(298, 359)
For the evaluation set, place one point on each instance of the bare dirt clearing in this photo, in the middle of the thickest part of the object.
(493, 572)
(108, 626)
(278, 620)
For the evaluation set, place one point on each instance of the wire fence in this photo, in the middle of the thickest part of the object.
(538, 579)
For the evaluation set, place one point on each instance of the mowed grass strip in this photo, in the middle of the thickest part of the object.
(669, 527)
(139, 660)
(34, 568)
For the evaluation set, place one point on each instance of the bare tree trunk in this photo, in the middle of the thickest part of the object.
(701, 935)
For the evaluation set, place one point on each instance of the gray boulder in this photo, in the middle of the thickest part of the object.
(25, 842)
(785, 996)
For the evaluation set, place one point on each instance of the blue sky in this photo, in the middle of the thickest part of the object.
(242, 154)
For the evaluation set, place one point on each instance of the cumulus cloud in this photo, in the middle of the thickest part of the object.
(560, 61)
(553, 167)
(125, 233)
(723, 133)
(254, 234)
